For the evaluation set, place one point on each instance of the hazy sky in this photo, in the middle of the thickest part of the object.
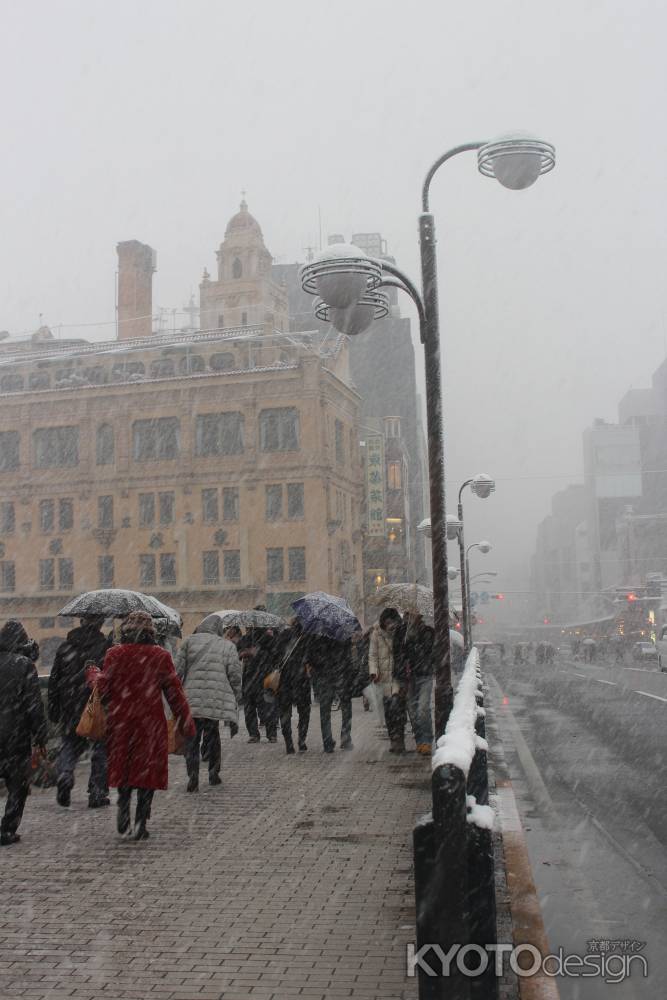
(144, 120)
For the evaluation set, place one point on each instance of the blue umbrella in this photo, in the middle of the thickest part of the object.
(324, 614)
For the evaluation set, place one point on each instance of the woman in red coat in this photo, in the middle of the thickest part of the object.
(134, 678)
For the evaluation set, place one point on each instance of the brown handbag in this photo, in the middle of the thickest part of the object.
(93, 721)
(175, 738)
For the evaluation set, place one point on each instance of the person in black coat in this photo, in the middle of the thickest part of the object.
(68, 696)
(294, 689)
(413, 659)
(331, 665)
(257, 653)
(22, 723)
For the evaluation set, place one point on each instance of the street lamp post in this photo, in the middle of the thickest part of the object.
(482, 486)
(347, 281)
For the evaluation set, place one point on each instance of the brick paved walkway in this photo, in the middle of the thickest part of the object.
(291, 880)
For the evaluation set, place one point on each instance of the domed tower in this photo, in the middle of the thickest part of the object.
(244, 294)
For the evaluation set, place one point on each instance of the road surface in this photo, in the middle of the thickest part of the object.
(586, 748)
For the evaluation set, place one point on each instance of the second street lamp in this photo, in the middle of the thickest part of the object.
(326, 275)
(484, 547)
(482, 486)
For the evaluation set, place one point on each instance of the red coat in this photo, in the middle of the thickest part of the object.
(134, 678)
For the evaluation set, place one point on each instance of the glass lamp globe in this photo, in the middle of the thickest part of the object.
(340, 286)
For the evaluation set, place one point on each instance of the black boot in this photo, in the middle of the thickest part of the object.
(123, 816)
(63, 795)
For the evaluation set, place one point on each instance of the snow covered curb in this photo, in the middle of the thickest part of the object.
(457, 746)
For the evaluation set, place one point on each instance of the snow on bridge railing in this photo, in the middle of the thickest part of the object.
(453, 847)
(461, 738)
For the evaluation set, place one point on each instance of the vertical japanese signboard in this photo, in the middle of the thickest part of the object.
(375, 485)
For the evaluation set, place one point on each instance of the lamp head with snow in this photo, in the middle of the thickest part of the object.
(341, 274)
(452, 573)
(516, 159)
(424, 527)
(484, 547)
(453, 527)
(483, 486)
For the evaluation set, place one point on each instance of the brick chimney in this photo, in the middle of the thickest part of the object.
(136, 263)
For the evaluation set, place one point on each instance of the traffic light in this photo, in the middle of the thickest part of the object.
(631, 597)
(498, 597)
(547, 621)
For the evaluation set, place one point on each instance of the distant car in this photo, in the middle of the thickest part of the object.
(644, 651)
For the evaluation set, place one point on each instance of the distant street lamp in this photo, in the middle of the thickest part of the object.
(482, 486)
(484, 547)
(347, 282)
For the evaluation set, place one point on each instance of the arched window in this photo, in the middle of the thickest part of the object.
(191, 363)
(122, 370)
(96, 375)
(222, 362)
(105, 444)
(237, 268)
(11, 382)
(162, 368)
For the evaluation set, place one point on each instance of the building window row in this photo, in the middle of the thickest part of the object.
(275, 510)
(122, 371)
(156, 439)
(154, 569)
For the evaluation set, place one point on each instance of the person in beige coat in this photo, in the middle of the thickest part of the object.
(381, 664)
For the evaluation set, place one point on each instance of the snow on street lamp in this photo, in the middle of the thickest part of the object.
(516, 159)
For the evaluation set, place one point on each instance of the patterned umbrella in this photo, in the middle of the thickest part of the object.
(323, 614)
(246, 619)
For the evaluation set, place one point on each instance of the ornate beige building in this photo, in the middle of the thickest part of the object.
(213, 469)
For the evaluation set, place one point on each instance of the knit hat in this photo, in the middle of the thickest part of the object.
(138, 627)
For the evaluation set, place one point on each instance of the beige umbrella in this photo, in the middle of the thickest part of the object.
(405, 597)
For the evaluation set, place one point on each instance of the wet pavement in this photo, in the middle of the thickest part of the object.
(293, 879)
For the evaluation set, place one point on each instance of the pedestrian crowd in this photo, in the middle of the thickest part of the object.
(149, 704)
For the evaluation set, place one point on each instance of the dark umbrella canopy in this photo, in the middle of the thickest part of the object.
(324, 614)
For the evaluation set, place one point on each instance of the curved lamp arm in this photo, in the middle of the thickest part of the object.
(400, 280)
(467, 483)
(438, 163)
